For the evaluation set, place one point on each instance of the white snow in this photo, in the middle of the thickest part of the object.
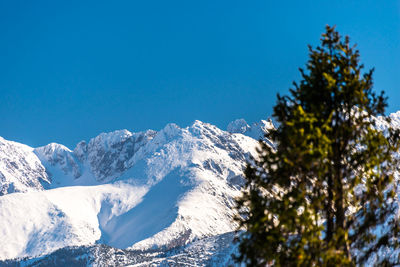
(34, 223)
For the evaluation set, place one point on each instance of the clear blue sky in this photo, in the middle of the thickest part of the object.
(72, 69)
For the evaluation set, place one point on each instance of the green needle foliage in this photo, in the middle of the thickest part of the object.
(324, 194)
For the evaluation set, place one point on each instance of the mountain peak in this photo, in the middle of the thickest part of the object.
(238, 126)
(111, 138)
(257, 130)
(53, 147)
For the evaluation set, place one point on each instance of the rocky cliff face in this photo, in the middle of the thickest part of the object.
(109, 154)
(59, 156)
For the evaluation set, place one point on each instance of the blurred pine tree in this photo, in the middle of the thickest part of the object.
(321, 195)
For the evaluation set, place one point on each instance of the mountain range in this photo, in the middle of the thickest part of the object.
(123, 198)
(152, 198)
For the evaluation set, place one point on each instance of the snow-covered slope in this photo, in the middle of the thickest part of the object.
(20, 169)
(138, 191)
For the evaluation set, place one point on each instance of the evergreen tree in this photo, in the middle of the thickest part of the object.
(324, 193)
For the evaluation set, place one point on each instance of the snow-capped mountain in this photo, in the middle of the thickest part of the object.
(159, 192)
(148, 198)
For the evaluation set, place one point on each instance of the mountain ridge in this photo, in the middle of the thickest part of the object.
(129, 190)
